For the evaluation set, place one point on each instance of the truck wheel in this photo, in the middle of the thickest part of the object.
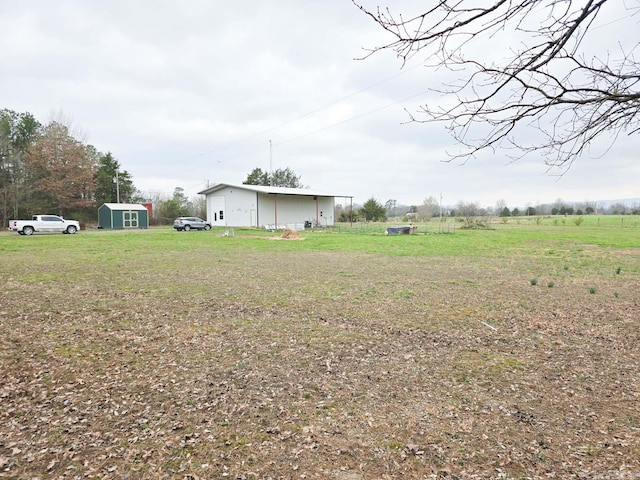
(27, 230)
(71, 229)
(187, 228)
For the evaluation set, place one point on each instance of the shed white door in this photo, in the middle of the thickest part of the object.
(215, 212)
(130, 219)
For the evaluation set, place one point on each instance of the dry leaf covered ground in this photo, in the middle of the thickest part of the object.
(193, 359)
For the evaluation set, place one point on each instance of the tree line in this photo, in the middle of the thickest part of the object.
(373, 210)
(48, 168)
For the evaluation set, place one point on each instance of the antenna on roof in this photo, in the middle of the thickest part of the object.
(270, 163)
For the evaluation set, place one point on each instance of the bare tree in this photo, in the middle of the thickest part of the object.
(469, 212)
(429, 208)
(550, 80)
(60, 171)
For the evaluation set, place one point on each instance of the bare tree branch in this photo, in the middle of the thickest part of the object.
(549, 84)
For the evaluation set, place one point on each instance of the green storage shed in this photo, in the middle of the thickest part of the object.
(123, 215)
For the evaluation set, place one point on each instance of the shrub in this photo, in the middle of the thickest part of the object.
(533, 281)
(578, 221)
(592, 290)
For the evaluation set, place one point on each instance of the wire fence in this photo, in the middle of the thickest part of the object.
(451, 225)
(380, 228)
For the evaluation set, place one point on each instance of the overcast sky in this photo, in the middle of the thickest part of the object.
(195, 92)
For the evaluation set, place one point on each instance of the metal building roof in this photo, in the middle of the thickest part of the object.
(125, 206)
(307, 192)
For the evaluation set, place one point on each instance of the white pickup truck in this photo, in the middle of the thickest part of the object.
(44, 224)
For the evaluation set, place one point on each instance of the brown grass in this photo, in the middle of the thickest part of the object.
(321, 365)
(290, 233)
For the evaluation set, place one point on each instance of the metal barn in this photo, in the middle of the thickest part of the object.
(123, 215)
(269, 207)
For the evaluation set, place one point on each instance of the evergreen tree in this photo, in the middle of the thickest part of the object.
(17, 132)
(373, 210)
(112, 183)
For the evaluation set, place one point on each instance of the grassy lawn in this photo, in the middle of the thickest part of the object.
(344, 354)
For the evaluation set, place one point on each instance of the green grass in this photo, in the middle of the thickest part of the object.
(112, 247)
(131, 259)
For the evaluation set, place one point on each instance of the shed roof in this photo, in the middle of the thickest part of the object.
(125, 206)
(307, 192)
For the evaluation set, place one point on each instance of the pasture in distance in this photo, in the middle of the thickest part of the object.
(506, 353)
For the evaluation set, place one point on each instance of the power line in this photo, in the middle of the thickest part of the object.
(326, 127)
(305, 115)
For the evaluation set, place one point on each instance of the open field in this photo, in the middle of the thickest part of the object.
(510, 353)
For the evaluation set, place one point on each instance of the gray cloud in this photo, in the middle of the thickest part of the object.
(188, 92)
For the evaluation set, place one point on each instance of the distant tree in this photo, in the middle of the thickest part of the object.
(17, 133)
(428, 209)
(543, 209)
(279, 178)
(373, 211)
(559, 206)
(177, 206)
(469, 212)
(286, 178)
(530, 212)
(505, 212)
(257, 177)
(590, 207)
(59, 171)
(199, 206)
(105, 179)
(618, 208)
(563, 210)
(390, 207)
(515, 212)
(181, 199)
(345, 216)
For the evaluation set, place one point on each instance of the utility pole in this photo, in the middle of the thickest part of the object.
(117, 188)
(440, 213)
(270, 163)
